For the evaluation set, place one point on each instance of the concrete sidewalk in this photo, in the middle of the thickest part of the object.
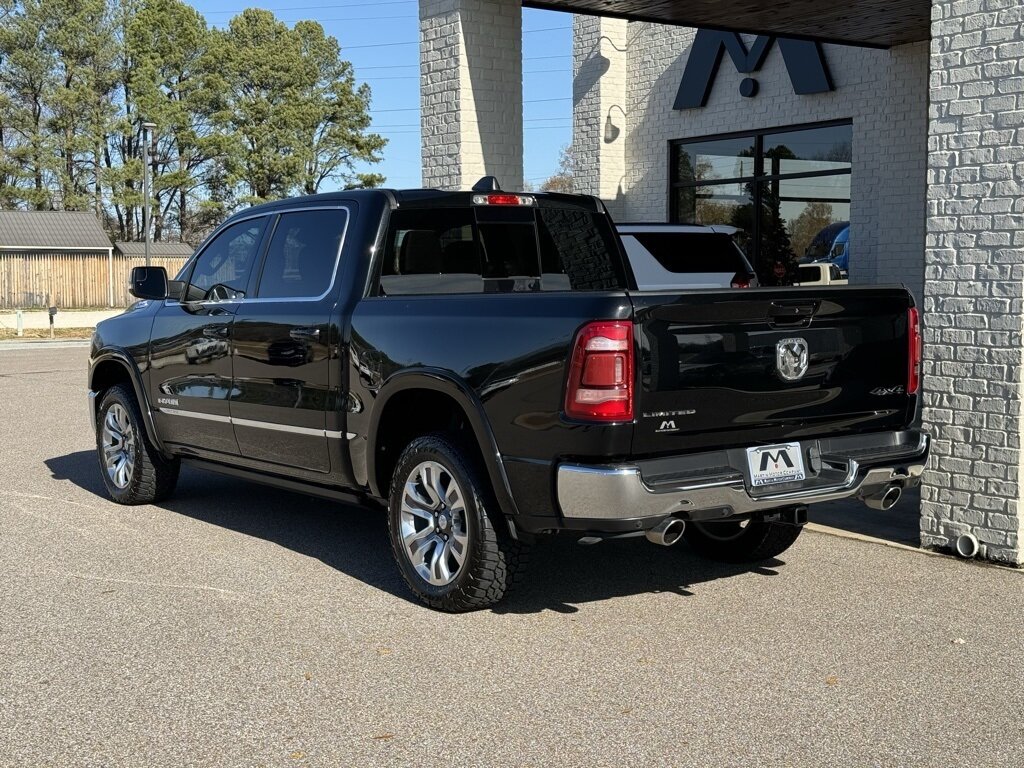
(65, 318)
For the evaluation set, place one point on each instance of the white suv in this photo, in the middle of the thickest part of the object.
(685, 256)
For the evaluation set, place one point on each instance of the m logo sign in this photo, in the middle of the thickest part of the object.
(805, 62)
(779, 457)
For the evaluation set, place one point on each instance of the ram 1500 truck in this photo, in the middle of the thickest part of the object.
(481, 364)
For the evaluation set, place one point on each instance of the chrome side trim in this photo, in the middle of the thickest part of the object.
(195, 415)
(235, 421)
(312, 432)
(620, 493)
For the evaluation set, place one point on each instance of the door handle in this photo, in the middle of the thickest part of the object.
(305, 334)
(216, 331)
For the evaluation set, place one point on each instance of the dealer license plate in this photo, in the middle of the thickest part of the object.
(770, 464)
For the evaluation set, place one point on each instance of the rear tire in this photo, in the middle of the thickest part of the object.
(133, 470)
(446, 531)
(747, 541)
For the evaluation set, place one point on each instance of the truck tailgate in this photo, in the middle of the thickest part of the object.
(710, 373)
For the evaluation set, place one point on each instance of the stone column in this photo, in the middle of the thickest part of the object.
(471, 95)
(599, 118)
(974, 277)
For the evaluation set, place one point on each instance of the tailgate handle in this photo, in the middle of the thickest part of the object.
(792, 314)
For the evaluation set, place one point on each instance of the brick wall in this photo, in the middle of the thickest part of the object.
(600, 85)
(884, 93)
(974, 277)
(471, 92)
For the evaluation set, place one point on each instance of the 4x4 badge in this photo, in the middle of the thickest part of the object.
(791, 358)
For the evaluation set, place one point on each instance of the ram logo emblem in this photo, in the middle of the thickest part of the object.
(791, 358)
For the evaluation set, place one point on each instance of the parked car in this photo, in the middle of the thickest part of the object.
(684, 256)
(819, 273)
(483, 366)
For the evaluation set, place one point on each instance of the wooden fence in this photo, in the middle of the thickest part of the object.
(71, 280)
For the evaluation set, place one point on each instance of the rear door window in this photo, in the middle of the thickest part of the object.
(303, 255)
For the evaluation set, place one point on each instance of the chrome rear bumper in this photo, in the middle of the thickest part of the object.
(650, 491)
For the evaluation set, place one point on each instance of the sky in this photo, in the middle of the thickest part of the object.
(381, 41)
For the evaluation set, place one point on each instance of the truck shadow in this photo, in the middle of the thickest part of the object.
(354, 540)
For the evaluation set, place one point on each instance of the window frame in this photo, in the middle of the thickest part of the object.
(185, 273)
(265, 253)
(759, 176)
(261, 253)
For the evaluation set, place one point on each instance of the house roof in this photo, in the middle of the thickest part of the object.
(59, 230)
(155, 249)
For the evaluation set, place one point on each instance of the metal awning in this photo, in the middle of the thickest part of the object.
(881, 23)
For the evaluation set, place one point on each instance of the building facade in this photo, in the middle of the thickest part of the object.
(776, 163)
(912, 130)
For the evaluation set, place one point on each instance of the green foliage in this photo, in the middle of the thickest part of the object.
(253, 112)
(562, 181)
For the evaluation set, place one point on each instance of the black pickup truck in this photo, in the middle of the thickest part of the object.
(482, 364)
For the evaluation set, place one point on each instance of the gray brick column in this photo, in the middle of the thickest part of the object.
(600, 118)
(471, 95)
(974, 277)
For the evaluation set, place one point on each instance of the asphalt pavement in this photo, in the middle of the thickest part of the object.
(236, 625)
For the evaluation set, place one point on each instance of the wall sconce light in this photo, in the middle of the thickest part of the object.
(611, 130)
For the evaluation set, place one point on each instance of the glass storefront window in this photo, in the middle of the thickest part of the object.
(714, 160)
(787, 193)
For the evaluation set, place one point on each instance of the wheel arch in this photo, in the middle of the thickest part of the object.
(431, 392)
(115, 366)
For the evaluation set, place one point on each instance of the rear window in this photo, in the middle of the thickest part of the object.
(498, 249)
(808, 274)
(693, 252)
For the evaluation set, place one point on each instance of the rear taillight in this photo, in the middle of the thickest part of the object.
(914, 351)
(600, 386)
(742, 280)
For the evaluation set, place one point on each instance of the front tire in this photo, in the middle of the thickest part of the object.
(447, 546)
(744, 541)
(133, 470)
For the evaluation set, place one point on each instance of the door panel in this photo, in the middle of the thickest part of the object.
(285, 406)
(191, 376)
(282, 392)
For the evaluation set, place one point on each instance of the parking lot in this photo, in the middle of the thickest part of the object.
(238, 625)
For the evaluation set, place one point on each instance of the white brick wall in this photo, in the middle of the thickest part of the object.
(471, 95)
(600, 87)
(883, 92)
(974, 277)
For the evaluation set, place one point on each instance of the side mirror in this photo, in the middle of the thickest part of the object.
(148, 283)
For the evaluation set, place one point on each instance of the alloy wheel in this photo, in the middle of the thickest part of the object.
(118, 446)
(434, 530)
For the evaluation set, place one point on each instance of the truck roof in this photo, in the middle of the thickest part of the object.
(424, 198)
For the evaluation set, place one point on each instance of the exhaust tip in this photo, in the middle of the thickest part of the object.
(886, 499)
(891, 497)
(667, 532)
